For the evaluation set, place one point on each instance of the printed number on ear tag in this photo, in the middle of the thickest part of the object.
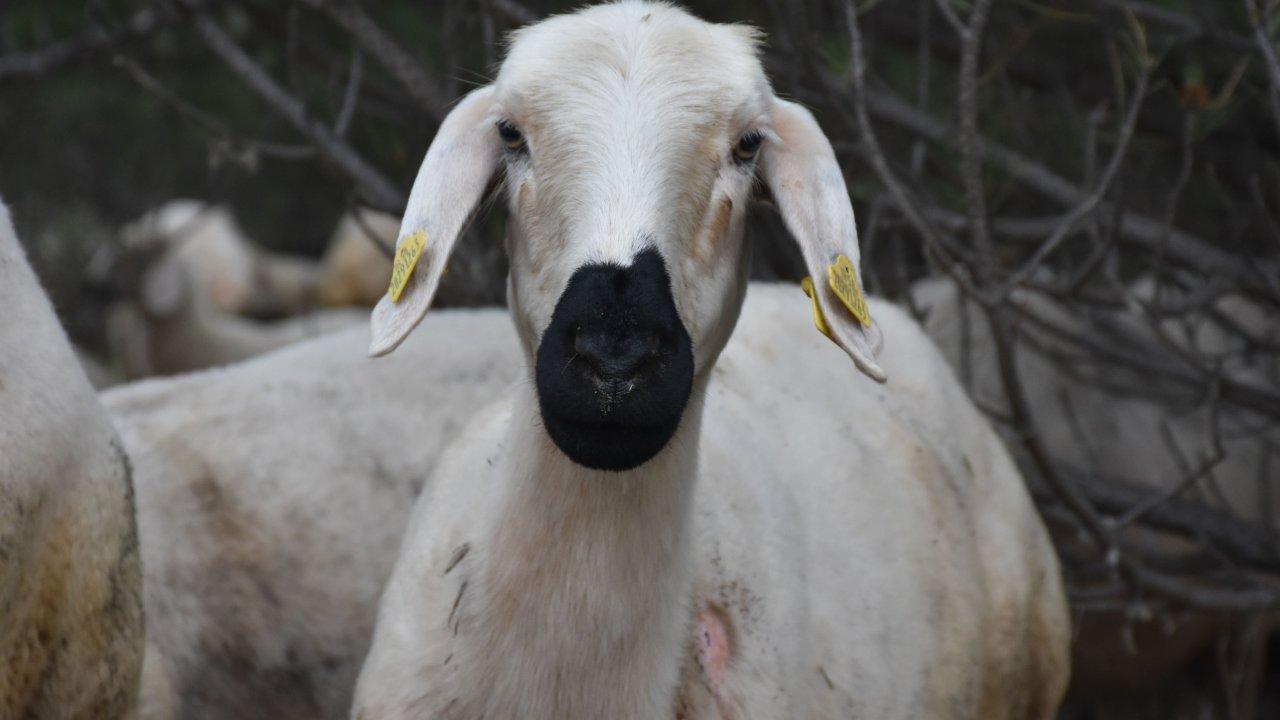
(844, 282)
(818, 321)
(407, 255)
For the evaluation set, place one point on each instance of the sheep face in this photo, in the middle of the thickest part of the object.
(630, 138)
(629, 156)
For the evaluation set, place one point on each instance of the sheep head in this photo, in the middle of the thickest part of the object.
(630, 138)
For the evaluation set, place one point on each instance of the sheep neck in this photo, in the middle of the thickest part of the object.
(586, 580)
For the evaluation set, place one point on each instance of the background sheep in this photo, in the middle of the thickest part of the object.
(70, 581)
(271, 498)
(225, 266)
(357, 261)
(199, 294)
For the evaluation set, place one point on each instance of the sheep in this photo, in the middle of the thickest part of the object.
(271, 496)
(167, 335)
(1085, 426)
(225, 266)
(70, 579)
(356, 263)
(196, 277)
(640, 531)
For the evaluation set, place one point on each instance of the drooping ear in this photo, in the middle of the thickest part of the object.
(462, 159)
(805, 182)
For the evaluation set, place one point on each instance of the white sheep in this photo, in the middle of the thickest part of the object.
(271, 497)
(639, 531)
(70, 580)
(224, 265)
(356, 262)
(148, 338)
(197, 277)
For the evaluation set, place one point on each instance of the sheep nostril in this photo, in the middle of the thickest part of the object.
(614, 358)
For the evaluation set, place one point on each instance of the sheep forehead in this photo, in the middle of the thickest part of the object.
(653, 69)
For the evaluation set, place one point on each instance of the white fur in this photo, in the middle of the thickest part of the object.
(872, 551)
(200, 277)
(223, 264)
(70, 581)
(883, 542)
(271, 499)
(355, 267)
(197, 337)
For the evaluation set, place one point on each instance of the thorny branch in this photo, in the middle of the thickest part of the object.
(1198, 272)
(373, 186)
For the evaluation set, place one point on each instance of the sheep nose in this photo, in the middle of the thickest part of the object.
(616, 357)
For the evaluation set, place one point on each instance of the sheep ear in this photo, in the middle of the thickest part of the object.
(462, 159)
(799, 167)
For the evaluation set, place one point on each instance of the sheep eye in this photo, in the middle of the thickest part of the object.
(511, 135)
(748, 146)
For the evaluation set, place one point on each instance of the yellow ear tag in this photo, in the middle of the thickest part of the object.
(818, 321)
(844, 282)
(407, 255)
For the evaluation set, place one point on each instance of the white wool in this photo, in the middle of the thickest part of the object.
(226, 268)
(873, 547)
(356, 261)
(271, 498)
(70, 583)
(202, 278)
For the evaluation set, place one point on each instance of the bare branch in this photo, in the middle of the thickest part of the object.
(1268, 52)
(351, 95)
(95, 39)
(1190, 27)
(944, 6)
(372, 185)
(1145, 231)
(424, 91)
(1090, 204)
(904, 202)
(970, 159)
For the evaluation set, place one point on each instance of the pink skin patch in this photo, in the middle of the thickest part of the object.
(712, 637)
